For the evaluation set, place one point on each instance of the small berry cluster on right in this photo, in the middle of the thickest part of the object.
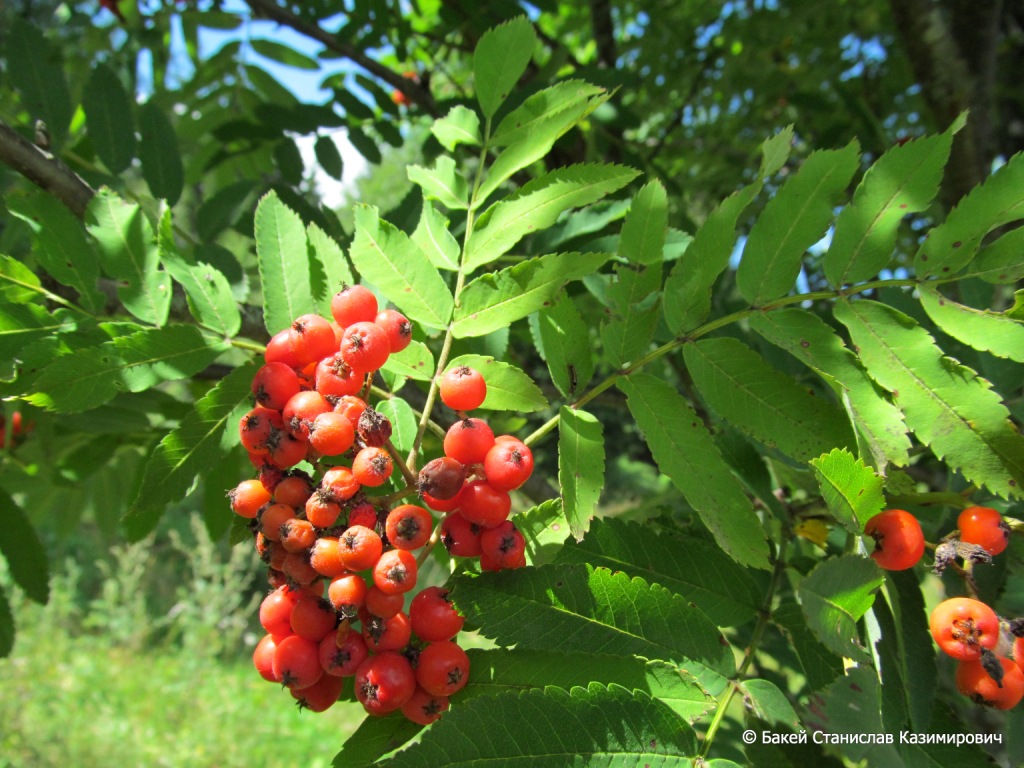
(472, 481)
(990, 651)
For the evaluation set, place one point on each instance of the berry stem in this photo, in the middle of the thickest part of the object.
(403, 467)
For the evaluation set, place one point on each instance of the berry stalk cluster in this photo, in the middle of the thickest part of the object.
(339, 544)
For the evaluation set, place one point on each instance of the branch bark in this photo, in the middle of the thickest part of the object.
(416, 93)
(44, 170)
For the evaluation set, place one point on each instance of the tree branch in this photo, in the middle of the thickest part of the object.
(44, 170)
(416, 93)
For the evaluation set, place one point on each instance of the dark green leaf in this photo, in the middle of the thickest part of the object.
(686, 453)
(764, 403)
(643, 233)
(328, 156)
(60, 244)
(545, 529)
(366, 146)
(769, 703)
(820, 666)
(496, 299)
(201, 440)
(835, 595)
(853, 492)
(391, 260)
(283, 263)
(283, 54)
(108, 115)
(36, 69)
(576, 607)
(24, 552)
(374, 738)
(508, 387)
(500, 59)
(720, 587)
(161, 159)
(816, 344)
(580, 466)
(792, 221)
(289, 162)
(6, 626)
(904, 180)
(531, 118)
(18, 283)
(567, 347)
(948, 406)
(500, 670)
(222, 209)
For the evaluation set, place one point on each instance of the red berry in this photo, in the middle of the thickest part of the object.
(433, 617)
(334, 377)
(257, 429)
(276, 611)
(462, 388)
(313, 617)
(325, 557)
(293, 490)
(397, 327)
(384, 682)
(899, 542)
(484, 505)
(424, 708)
(311, 338)
(503, 545)
(297, 662)
(342, 651)
(442, 478)
(331, 433)
(321, 695)
(353, 304)
(468, 441)
(347, 594)
(301, 410)
(274, 384)
(985, 527)
(395, 572)
(247, 498)
(460, 537)
(360, 548)
(963, 626)
(279, 350)
(383, 604)
(442, 668)
(339, 484)
(363, 513)
(974, 681)
(364, 347)
(390, 634)
(372, 466)
(263, 658)
(508, 464)
(409, 526)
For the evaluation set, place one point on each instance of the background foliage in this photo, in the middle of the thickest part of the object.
(744, 272)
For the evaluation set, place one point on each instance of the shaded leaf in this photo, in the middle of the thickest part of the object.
(185, 452)
(18, 283)
(161, 159)
(6, 626)
(531, 118)
(329, 269)
(328, 156)
(769, 703)
(819, 664)
(988, 331)
(1001, 262)
(545, 529)
(24, 552)
(722, 588)
(835, 595)
(374, 738)
(283, 54)
(108, 115)
(580, 466)
(36, 69)
(762, 402)
(567, 348)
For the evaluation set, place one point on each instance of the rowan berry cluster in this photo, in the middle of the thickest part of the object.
(340, 547)
(990, 651)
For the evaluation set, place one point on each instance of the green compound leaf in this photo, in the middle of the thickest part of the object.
(819, 664)
(988, 331)
(36, 69)
(722, 588)
(1002, 262)
(770, 704)
(533, 140)
(835, 595)
(643, 232)
(6, 626)
(904, 180)
(946, 404)
(328, 157)
(108, 116)
(329, 269)
(499, 61)
(792, 221)
(435, 239)
(545, 529)
(391, 260)
(580, 466)
(812, 341)
(18, 283)
(598, 725)
(853, 492)
(60, 245)
(579, 608)
(210, 300)
(460, 126)
(201, 440)
(508, 387)
(496, 299)
(686, 453)
(999, 200)
(24, 552)
(283, 263)
(374, 738)
(538, 204)
(415, 362)
(161, 160)
(688, 287)
(764, 403)
(565, 346)
(403, 422)
(90, 377)
(443, 183)
(23, 324)
(501, 670)
(127, 252)
(534, 116)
